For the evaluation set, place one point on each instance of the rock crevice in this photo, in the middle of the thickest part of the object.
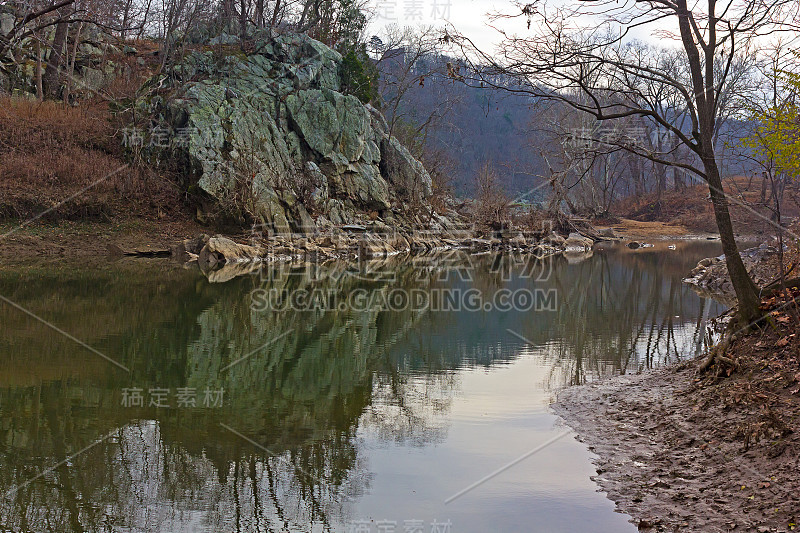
(271, 133)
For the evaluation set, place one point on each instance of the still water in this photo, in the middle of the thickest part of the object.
(168, 401)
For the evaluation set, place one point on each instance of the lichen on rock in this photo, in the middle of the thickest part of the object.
(271, 133)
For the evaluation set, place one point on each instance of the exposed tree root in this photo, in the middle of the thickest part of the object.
(716, 355)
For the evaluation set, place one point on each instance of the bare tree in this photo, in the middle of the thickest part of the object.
(49, 32)
(407, 58)
(491, 200)
(30, 21)
(585, 175)
(594, 69)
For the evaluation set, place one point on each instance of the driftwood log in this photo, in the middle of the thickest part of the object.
(116, 250)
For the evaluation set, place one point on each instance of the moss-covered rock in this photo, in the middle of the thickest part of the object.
(271, 133)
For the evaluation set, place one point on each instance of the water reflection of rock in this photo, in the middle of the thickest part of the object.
(230, 271)
(300, 398)
(577, 257)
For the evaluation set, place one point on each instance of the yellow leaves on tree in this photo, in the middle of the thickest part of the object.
(777, 138)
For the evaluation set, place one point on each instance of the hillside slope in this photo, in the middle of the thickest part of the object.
(691, 207)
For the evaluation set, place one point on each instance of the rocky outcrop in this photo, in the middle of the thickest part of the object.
(576, 242)
(93, 69)
(270, 132)
(711, 273)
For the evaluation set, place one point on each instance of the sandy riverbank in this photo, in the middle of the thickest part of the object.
(643, 231)
(678, 453)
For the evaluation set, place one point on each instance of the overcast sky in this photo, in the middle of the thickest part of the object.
(468, 16)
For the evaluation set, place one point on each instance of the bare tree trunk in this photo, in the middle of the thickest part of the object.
(39, 90)
(635, 166)
(703, 88)
(677, 179)
(51, 74)
(276, 12)
(258, 14)
(660, 170)
(145, 16)
(125, 19)
(70, 62)
(661, 180)
(228, 11)
(746, 291)
(242, 20)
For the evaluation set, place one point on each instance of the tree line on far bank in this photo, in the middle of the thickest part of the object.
(580, 109)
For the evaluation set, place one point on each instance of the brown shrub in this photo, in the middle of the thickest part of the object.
(491, 201)
(50, 152)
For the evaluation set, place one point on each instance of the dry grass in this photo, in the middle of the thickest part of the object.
(50, 144)
(50, 152)
(691, 207)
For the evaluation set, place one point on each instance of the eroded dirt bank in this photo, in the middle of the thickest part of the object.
(682, 454)
(84, 240)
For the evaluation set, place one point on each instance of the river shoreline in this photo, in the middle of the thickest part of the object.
(89, 240)
(84, 239)
(670, 448)
(678, 453)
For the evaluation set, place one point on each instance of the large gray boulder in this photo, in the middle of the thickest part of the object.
(221, 250)
(578, 243)
(405, 173)
(270, 132)
(336, 126)
(6, 23)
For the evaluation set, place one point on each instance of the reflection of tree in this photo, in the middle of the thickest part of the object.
(406, 408)
(632, 311)
(618, 310)
(303, 396)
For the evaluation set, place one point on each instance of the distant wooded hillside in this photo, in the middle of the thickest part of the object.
(463, 127)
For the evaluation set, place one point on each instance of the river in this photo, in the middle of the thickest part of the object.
(399, 395)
